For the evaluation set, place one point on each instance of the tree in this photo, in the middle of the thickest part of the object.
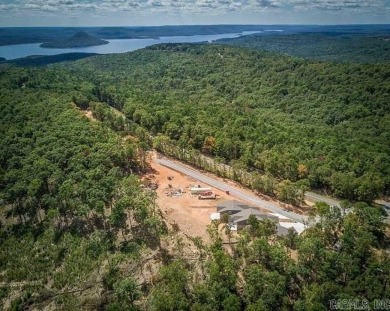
(369, 187)
(292, 238)
(209, 145)
(118, 219)
(171, 292)
(290, 192)
(265, 184)
(127, 292)
(228, 232)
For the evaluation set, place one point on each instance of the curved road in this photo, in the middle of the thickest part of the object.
(233, 190)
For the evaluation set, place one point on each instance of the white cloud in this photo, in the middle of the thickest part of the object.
(186, 5)
(193, 6)
(338, 5)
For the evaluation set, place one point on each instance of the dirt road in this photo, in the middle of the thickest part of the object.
(233, 190)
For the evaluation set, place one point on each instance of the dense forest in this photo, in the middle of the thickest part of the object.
(324, 125)
(68, 188)
(324, 46)
(40, 60)
(79, 39)
(78, 231)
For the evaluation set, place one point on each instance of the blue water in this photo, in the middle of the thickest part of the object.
(114, 46)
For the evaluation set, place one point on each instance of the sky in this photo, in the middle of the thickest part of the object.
(186, 12)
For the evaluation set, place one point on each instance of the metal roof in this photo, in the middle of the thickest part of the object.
(246, 213)
(231, 206)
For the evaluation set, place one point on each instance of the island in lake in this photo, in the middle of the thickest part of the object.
(78, 40)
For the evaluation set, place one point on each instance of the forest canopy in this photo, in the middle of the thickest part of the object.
(78, 231)
(324, 46)
(325, 123)
(68, 187)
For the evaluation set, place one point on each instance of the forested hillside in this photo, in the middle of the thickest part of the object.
(80, 39)
(326, 125)
(68, 190)
(46, 60)
(323, 46)
(78, 232)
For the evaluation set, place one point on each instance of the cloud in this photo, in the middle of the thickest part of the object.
(339, 5)
(268, 3)
(192, 6)
(110, 5)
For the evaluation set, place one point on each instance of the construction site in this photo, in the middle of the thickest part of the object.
(184, 201)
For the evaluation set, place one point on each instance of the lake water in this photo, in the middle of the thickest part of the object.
(114, 46)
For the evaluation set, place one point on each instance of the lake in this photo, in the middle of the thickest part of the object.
(114, 46)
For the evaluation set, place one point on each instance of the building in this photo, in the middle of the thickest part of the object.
(239, 213)
(240, 220)
(283, 231)
(231, 207)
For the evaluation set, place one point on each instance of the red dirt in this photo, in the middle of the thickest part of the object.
(190, 214)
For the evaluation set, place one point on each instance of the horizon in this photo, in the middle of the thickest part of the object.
(217, 24)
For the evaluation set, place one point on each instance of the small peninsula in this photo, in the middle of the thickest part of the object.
(78, 40)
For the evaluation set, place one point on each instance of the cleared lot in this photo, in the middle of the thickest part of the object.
(187, 211)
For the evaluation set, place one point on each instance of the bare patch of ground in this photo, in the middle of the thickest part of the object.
(88, 114)
(191, 215)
